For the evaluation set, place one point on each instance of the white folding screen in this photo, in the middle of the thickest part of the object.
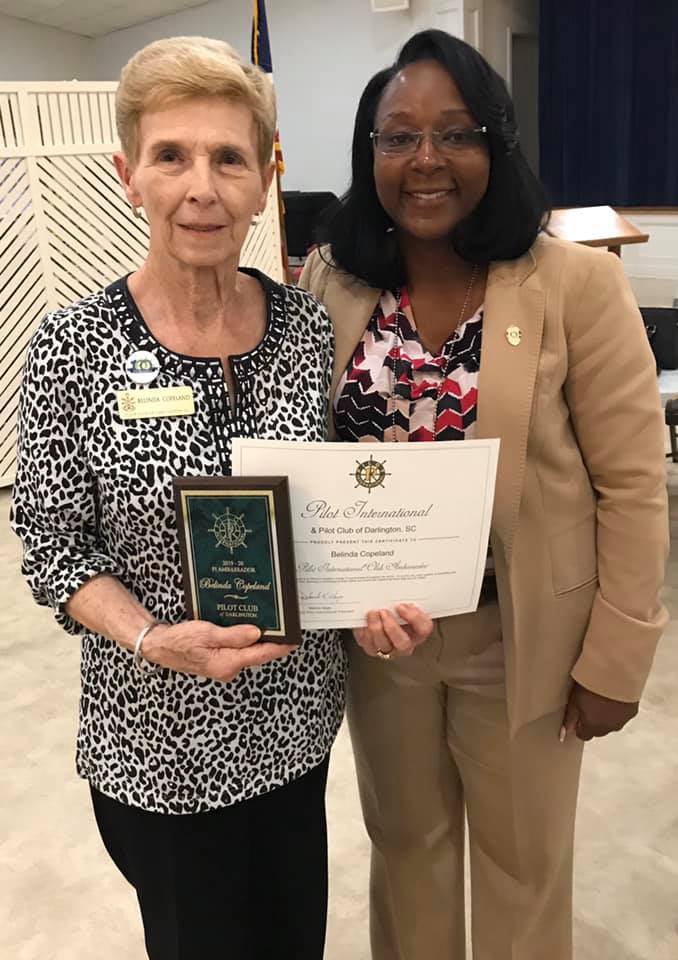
(65, 226)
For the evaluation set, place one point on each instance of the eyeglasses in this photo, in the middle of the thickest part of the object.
(403, 142)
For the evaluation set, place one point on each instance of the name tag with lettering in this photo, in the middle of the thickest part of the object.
(157, 402)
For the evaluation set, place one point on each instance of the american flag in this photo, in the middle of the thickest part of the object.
(261, 56)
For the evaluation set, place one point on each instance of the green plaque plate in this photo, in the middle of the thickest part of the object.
(237, 553)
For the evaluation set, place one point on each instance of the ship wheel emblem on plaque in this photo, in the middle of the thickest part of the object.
(370, 473)
(229, 530)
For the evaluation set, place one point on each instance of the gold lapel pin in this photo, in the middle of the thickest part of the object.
(514, 335)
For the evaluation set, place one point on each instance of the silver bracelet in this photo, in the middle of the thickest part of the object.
(145, 667)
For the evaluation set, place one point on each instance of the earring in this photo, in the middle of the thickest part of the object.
(390, 229)
(135, 211)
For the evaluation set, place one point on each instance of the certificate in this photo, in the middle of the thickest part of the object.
(236, 553)
(376, 524)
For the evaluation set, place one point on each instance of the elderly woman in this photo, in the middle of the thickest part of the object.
(456, 317)
(209, 795)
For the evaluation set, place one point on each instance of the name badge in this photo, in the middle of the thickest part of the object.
(157, 402)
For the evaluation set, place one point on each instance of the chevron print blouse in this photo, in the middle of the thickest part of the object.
(381, 367)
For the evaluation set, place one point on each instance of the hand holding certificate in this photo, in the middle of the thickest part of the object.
(378, 524)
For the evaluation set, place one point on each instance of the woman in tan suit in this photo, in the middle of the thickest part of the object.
(455, 317)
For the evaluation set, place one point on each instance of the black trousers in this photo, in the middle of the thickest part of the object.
(247, 882)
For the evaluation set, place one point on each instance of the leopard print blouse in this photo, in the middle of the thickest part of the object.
(93, 494)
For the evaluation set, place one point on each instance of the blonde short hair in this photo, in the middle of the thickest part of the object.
(183, 67)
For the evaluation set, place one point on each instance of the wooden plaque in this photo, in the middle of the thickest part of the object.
(237, 553)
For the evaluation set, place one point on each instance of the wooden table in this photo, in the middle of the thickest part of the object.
(595, 227)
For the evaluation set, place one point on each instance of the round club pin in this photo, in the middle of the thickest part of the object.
(514, 335)
(142, 366)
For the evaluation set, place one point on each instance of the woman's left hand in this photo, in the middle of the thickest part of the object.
(590, 715)
(384, 636)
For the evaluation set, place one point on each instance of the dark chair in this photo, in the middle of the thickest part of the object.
(303, 210)
(661, 325)
(671, 418)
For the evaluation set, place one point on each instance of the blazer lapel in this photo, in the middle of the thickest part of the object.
(351, 305)
(506, 382)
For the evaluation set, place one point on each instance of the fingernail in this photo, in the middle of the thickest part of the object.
(563, 734)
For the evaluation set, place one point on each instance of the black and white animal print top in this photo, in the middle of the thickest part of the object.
(93, 494)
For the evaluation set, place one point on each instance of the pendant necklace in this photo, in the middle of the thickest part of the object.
(445, 370)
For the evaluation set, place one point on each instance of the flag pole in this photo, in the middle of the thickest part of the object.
(283, 234)
(279, 166)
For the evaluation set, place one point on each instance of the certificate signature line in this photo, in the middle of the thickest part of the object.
(405, 578)
(451, 537)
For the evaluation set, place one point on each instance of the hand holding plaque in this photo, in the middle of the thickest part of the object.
(237, 554)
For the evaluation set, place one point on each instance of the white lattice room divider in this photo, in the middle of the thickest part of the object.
(65, 226)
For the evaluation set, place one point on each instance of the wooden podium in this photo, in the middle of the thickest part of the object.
(595, 227)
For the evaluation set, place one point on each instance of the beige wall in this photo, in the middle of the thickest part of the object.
(499, 16)
(32, 52)
(653, 267)
(509, 40)
(323, 55)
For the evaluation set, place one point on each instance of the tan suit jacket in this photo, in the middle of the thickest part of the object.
(579, 529)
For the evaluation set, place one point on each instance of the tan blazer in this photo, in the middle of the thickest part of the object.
(579, 529)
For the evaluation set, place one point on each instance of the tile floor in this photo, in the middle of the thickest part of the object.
(63, 900)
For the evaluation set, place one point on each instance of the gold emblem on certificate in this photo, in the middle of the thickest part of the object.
(370, 473)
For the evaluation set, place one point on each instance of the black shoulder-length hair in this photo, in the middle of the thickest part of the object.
(507, 220)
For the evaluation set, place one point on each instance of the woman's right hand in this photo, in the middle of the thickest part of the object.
(206, 650)
(382, 636)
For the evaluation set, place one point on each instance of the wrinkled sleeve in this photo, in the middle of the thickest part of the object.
(54, 500)
(614, 404)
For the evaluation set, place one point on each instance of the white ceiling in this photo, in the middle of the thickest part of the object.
(93, 18)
